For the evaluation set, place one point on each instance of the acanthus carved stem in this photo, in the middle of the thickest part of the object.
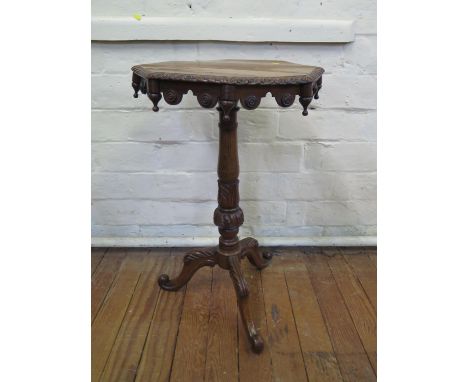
(228, 216)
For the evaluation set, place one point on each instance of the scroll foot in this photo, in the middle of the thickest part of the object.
(242, 292)
(250, 248)
(193, 261)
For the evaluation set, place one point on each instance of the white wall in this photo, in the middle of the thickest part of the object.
(304, 180)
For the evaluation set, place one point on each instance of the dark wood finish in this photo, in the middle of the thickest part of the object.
(228, 84)
(314, 329)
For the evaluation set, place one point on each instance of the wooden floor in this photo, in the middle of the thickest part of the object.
(316, 310)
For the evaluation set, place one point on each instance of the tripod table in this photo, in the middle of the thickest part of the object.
(225, 83)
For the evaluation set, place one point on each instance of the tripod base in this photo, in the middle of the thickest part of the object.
(199, 258)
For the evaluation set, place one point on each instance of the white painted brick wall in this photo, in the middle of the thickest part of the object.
(154, 174)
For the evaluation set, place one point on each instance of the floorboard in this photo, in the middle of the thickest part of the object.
(103, 278)
(125, 355)
(97, 255)
(283, 340)
(254, 367)
(315, 308)
(109, 320)
(191, 348)
(358, 304)
(158, 353)
(352, 358)
(316, 347)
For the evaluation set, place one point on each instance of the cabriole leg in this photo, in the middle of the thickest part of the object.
(193, 261)
(242, 290)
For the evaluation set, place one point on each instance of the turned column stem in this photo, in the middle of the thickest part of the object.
(228, 216)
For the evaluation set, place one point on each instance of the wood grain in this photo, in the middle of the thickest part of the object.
(352, 358)
(221, 355)
(358, 304)
(107, 324)
(190, 355)
(96, 256)
(316, 347)
(264, 72)
(287, 360)
(124, 358)
(158, 352)
(311, 309)
(364, 268)
(103, 278)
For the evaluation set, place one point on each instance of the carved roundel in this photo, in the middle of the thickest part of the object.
(285, 100)
(172, 97)
(250, 102)
(207, 100)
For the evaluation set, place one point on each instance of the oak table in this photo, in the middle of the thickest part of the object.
(225, 83)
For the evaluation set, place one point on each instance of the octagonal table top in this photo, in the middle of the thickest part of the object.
(233, 72)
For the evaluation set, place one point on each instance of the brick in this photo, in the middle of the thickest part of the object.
(313, 186)
(174, 187)
(138, 157)
(114, 91)
(146, 126)
(149, 212)
(328, 56)
(348, 91)
(118, 58)
(151, 157)
(357, 62)
(334, 213)
(256, 126)
(324, 124)
(264, 213)
(253, 186)
(270, 157)
(341, 156)
(154, 174)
